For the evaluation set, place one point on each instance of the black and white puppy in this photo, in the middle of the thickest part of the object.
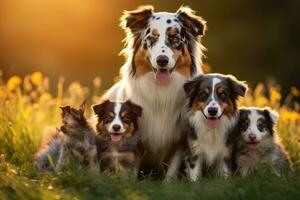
(257, 143)
(118, 137)
(212, 114)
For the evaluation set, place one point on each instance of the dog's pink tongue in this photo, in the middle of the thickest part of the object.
(116, 137)
(252, 145)
(213, 123)
(162, 78)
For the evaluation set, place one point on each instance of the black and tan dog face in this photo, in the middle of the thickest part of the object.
(214, 95)
(73, 120)
(163, 41)
(256, 124)
(118, 119)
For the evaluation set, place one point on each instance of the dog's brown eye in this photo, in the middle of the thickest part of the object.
(107, 119)
(202, 96)
(223, 96)
(126, 119)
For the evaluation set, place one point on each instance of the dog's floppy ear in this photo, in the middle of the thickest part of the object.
(134, 108)
(272, 114)
(191, 85)
(194, 24)
(239, 87)
(82, 107)
(100, 108)
(137, 19)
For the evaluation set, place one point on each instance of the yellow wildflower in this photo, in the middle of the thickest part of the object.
(13, 83)
(36, 78)
(275, 95)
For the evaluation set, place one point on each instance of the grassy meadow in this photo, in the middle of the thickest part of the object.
(28, 109)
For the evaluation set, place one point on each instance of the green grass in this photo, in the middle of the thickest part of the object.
(28, 108)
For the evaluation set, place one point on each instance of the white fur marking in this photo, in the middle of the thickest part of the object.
(213, 102)
(195, 173)
(117, 119)
(254, 116)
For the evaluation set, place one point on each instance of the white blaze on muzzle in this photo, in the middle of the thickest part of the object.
(213, 102)
(252, 128)
(116, 121)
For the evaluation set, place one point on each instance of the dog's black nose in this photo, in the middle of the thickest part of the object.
(116, 127)
(162, 60)
(212, 111)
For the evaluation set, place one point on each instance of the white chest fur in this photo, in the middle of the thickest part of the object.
(210, 143)
(161, 105)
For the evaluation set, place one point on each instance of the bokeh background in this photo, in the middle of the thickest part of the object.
(80, 39)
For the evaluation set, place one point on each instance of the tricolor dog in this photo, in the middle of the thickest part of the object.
(118, 136)
(257, 143)
(212, 115)
(162, 52)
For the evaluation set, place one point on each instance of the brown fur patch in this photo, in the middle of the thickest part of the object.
(136, 19)
(228, 108)
(155, 32)
(198, 106)
(129, 157)
(183, 60)
(141, 62)
(220, 90)
(123, 113)
(101, 127)
(207, 90)
(129, 130)
(172, 32)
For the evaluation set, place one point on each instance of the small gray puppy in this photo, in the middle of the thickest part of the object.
(257, 143)
(74, 140)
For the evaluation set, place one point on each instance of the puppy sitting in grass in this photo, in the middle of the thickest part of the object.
(74, 140)
(212, 114)
(78, 142)
(118, 136)
(257, 143)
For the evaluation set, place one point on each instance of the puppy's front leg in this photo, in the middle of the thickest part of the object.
(244, 171)
(194, 168)
(93, 160)
(223, 169)
(174, 166)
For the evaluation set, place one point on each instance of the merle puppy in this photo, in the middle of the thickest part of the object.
(74, 140)
(212, 114)
(78, 142)
(257, 143)
(118, 137)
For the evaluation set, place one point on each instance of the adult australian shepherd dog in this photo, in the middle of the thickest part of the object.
(162, 52)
